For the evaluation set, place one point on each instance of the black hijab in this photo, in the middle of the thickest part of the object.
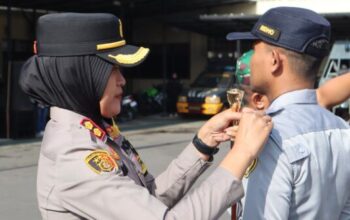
(75, 83)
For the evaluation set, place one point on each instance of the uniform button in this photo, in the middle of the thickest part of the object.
(301, 150)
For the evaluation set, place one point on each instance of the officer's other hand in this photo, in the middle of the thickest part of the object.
(232, 131)
(213, 131)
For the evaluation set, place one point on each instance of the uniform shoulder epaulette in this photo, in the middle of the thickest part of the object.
(93, 128)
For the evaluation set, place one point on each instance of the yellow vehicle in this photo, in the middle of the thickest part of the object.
(207, 95)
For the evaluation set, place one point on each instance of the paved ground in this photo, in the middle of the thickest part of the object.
(156, 135)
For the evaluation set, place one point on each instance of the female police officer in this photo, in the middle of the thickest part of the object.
(87, 169)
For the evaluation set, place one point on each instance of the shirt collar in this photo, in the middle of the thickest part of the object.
(305, 96)
(65, 115)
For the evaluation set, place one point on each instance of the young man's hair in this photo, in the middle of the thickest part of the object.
(303, 64)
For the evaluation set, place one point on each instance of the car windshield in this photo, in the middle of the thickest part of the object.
(213, 80)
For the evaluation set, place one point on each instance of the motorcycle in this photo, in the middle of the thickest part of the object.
(152, 100)
(129, 109)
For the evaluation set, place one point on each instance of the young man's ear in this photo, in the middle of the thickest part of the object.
(260, 101)
(276, 61)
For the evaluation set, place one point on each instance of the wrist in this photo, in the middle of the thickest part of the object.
(243, 152)
(207, 138)
(236, 162)
(203, 147)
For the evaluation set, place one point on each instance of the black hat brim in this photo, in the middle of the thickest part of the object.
(125, 56)
(241, 36)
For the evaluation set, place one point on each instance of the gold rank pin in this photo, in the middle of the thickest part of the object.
(93, 128)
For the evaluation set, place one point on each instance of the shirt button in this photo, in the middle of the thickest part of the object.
(301, 150)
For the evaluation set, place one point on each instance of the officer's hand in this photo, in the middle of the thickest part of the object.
(253, 131)
(232, 131)
(213, 131)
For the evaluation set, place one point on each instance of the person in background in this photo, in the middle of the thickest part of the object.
(250, 99)
(301, 172)
(87, 169)
(173, 90)
(42, 114)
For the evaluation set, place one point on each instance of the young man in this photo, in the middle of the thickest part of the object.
(302, 171)
(332, 93)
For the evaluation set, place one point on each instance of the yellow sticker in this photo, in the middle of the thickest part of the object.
(100, 161)
(251, 168)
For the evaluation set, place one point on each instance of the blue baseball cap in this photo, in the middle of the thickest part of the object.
(297, 29)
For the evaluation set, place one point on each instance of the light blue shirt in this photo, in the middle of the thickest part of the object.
(304, 170)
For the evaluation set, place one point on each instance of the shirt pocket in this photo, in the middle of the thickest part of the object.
(296, 153)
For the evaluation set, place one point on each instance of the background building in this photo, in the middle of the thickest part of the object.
(185, 36)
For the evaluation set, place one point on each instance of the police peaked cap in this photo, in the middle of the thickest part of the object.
(74, 34)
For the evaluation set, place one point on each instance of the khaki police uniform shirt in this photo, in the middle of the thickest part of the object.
(70, 187)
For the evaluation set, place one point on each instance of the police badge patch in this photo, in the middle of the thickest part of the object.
(101, 161)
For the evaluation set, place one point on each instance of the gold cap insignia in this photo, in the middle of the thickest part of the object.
(140, 54)
(121, 28)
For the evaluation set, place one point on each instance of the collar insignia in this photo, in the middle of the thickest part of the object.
(113, 130)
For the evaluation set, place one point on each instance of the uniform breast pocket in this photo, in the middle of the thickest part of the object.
(296, 153)
(298, 156)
